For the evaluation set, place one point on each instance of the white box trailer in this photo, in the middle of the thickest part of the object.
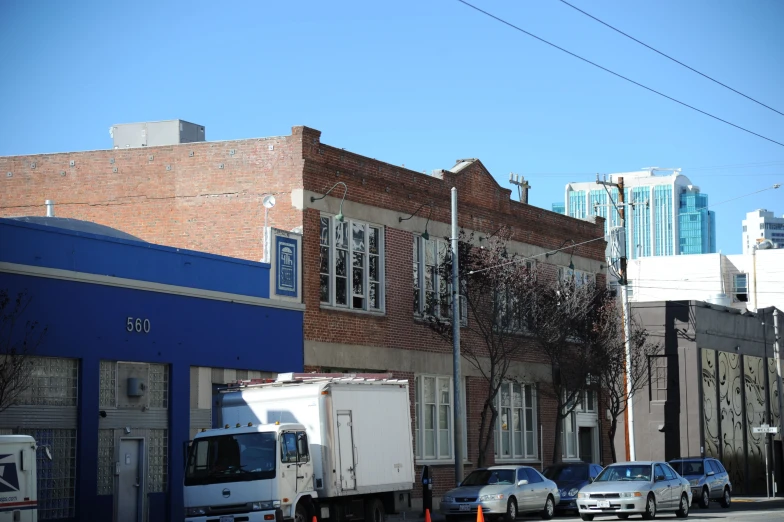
(359, 436)
(18, 481)
(359, 429)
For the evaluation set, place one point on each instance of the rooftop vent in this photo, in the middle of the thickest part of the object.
(155, 133)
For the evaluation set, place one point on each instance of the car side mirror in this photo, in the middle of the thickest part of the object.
(711, 473)
(522, 482)
(659, 478)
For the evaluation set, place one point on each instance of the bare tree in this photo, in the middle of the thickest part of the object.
(620, 385)
(491, 279)
(558, 312)
(19, 339)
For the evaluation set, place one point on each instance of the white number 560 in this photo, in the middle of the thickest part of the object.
(138, 325)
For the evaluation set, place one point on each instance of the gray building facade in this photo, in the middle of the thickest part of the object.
(716, 379)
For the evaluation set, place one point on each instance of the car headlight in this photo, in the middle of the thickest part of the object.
(630, 494)
(447, 499)
(499, 496)
(258, 506)
(195, 511)
(694, 482)
(583, 495)
(573, 492)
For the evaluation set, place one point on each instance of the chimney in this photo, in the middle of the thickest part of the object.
(49, 208)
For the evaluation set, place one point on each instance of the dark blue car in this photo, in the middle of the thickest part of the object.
(570, 477)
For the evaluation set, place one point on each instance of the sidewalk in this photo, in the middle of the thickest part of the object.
(757, 499)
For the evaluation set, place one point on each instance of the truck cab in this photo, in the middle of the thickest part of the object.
(18, 486)
(249, 473)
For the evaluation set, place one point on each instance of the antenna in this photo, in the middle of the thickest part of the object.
(522, 186)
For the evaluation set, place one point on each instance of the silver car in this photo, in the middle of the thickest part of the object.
(503, 492)
(629, 488)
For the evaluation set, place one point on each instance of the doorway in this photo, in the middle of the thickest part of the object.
(585, 443)
(130, 486)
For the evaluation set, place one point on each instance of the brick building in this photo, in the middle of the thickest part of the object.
(207, 196)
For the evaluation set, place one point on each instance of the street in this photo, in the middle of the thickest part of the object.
(755, 511)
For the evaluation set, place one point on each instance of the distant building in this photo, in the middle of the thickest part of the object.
(761, 225)
(669, 215)
(744, 281)
(559, 208)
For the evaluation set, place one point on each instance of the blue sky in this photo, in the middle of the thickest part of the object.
(420, 83)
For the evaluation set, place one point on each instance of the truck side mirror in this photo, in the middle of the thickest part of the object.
(302, 447)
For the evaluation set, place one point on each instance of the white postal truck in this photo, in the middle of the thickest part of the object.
(18, 487)
(336, 448)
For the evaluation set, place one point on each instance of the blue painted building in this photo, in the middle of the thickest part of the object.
(137, 338)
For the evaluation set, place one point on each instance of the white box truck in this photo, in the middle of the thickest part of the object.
(335, 448)
(18, 481)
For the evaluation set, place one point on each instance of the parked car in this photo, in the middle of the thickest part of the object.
(503, 492)
(630, 488)
(708, 479)
(570, 477)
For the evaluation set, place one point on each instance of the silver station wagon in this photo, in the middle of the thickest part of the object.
(630, 488)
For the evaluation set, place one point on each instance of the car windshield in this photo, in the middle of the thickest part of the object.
(487, 477)
(625, 472)
(689, 467)
(566, 473)
(231, 458)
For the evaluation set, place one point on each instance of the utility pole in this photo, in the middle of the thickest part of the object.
(623, 281)
(458, 417)
(522, 186)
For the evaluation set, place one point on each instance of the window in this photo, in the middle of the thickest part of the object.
(658, 378)
(351, 265)
(720, 466)
(432, 287)
(580, 277)
(588, 403)
(515, 432)
(433, 422)
(740, 289)
(570, 436)
(533, 476)
(659, 472)
(511, 315)
(744, 228)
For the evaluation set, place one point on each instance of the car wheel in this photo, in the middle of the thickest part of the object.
(650, 509)
(683, 510)
(704, 499)
(511, 510)
(585, 516)
(726, 499)
(623, 516)
(549, 508)
(451, 518)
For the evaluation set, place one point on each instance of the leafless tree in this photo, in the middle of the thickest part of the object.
(490, 337)
(557, 312)
(19, 339)
(619, 385)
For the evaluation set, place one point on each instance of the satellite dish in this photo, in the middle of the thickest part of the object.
(268, 201)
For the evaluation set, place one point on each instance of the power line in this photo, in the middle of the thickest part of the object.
(520, 259)
(617, 74)
(671, 58)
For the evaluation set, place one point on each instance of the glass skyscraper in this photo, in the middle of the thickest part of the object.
(667, 215)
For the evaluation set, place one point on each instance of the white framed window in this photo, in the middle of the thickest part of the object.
(433, 418)
(515, 431)
(581, 277)
(570, 436)
(511, 314)
(432, 288)
(351, 267)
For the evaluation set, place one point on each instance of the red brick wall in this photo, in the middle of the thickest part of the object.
(180, 198)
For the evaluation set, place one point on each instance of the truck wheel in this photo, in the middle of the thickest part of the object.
(374, 511)
(301, 513)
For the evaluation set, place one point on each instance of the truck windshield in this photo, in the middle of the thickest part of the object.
(231, 458)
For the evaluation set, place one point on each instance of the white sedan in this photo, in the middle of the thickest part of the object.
(629, 488)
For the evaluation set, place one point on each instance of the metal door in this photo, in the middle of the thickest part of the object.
(129, 487)
(346, 451)
(585, 442)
